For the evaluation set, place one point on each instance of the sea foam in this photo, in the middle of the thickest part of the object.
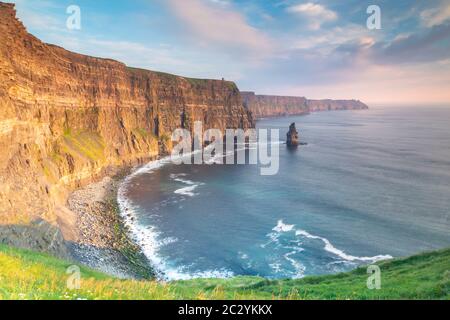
(329, 247)
(186, 191)
(149, 238)
(340, 253)
(282, 227)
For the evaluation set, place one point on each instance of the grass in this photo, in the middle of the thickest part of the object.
(85, 144)
(143, 133)
(30, 275)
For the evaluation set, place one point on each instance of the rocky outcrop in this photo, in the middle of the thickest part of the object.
(66, 117)
(263, 106)
(293, 139)
(39, 235)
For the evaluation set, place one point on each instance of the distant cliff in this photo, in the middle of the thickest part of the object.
(66, 117)
(271, 106)
(274, 106)
(331, 105)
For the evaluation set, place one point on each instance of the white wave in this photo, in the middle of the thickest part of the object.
(180, 273)
(332, 249)
(273, 239)
(176, 274)
(187, 191)
(177, 175)
(157, 164)
(147, 237)
(276, 267)
(189, 182)
(298, 267)
(168, 241)
(282, 227)
(150, 167)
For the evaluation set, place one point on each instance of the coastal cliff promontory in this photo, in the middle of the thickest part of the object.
(263, 106)
(65, 118)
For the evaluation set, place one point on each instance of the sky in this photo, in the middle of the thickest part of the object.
(313, 48)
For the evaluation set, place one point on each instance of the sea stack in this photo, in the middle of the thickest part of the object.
(292, 136)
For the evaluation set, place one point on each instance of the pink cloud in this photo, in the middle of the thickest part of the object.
(386, 85)
(214, 23)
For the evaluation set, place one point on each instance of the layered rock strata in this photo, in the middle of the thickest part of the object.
(263, 106)
(65, 118)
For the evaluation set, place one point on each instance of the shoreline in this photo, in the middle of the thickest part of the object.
(107, 230)
(107, 237)
(103, 241)
(146, 238)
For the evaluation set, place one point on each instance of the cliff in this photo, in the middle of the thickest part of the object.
(65, 118)
(273, 106)
(263, 106)
(333, 105)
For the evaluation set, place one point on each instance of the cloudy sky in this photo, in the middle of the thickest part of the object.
(316, 48)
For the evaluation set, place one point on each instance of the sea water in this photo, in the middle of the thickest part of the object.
(369, 185)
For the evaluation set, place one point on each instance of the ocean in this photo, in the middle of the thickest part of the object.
(369, 185)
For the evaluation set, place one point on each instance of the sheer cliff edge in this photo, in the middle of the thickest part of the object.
(263, 106)
(65, 118)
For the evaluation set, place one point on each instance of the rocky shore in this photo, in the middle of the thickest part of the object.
(102, 240)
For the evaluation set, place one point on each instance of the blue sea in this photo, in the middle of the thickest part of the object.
(368, 186)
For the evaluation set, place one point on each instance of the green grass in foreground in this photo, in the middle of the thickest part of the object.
(30, 275)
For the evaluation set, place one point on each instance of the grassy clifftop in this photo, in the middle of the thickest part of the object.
(30, 275)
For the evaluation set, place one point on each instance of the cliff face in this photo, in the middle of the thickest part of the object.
(263, 106)
(65, 117)
(332, 105)
(274, 106)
